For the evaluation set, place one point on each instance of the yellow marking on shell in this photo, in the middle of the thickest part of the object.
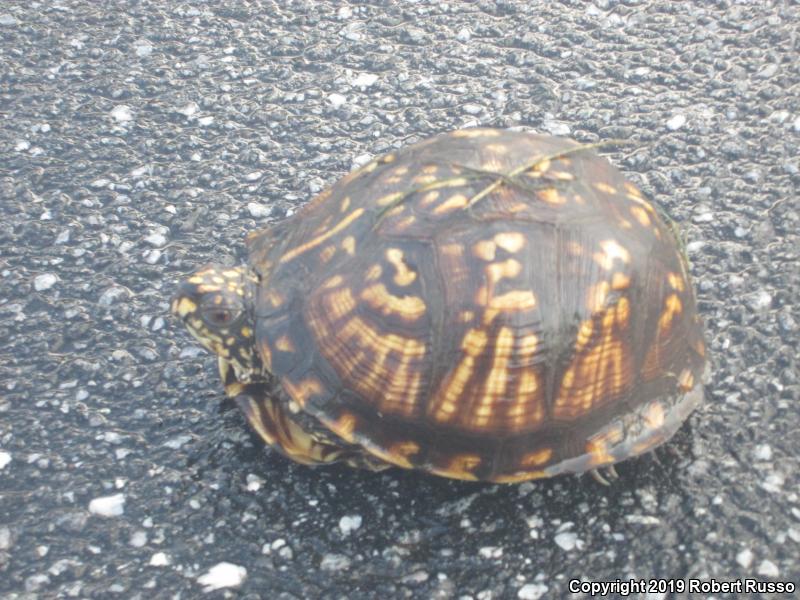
(497, 148)
(640, 215)
(303, 390)
(676, 282)
(396, 210)
(497, 380)
(620, 281)
(510, 241)
(396, 175)
(596, 296)
(520, 476)
(461, 467)
(485, 250)
(198, 278)
(340, 303)
(343, 224)
(495, 272)
(403, 275)
(513, 301)
(274, 298)
(327, 253)
(475, 133)
(473, 344)
(184, 307)
(517, 207)
(672, 307)
(453, 250)
(344, 204)
(332, 282)
(633, 193)
(424, 179)
(349, 245)
(611, 250)
(700, 347)
(429, 198)
(400, 453)
(374, 273)
(466, 316)
(537, 458)
(492, 164)
(597, 373)
(551, 196)
(284, 344)
(389, 199)
(409, 308)
(405, 223)
(598, 453)
(344, 426)
(605, 188)
(452, 203)
(541, 166)
(575, 249)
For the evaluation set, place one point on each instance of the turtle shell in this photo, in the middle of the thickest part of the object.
(485, 304)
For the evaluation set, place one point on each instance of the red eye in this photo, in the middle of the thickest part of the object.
(218, 316)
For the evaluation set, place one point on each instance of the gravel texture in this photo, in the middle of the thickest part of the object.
(141, 139)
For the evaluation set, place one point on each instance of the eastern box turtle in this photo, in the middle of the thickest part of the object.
(485, 304)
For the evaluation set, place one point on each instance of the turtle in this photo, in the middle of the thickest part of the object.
(486, 304)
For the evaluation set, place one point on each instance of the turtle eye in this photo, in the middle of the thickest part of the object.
(219, 316)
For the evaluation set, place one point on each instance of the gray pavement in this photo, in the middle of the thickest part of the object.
(141, 139)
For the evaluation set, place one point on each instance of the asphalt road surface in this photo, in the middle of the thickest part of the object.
(141, 139)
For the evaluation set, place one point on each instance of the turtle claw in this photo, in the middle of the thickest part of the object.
(605, 478)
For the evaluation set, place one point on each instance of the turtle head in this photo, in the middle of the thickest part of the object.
(216, 305)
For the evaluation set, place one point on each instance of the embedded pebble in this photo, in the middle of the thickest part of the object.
(762, 452)
(8, 20)
(5, 538)
(745, 558)
(44, 281)
(159, 559)
(222, 575)
(138, 539)
(122, 113)
(5, 458)
(676, 122)
(364, 80)
(189, 110)
(337, 100)
(254, 176)
(108, 506)
(205, 121)
(143, 50)
(334, 562)
(349, 523)
(258, 211)
(156, 239)
(568, 541)
(532, 591)
(767, 568)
